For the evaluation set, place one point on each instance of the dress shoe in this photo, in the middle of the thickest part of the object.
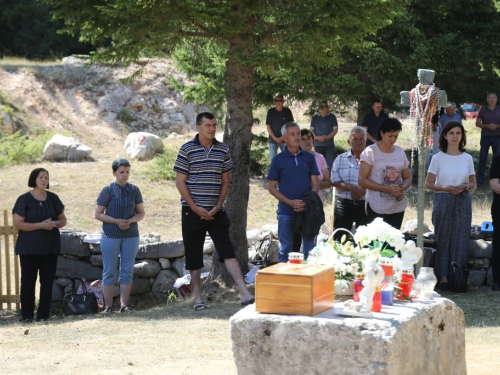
(495, 287)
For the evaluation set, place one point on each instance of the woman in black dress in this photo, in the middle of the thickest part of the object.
(38, 215)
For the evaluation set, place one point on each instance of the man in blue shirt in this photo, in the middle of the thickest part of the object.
(293, 172)
(488, 119)
(372, 121)
(324, 127)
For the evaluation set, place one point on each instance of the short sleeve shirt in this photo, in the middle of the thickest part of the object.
(444, 119)
(495, 173)
(451, 169)
(386, 170)
(120, 202)
(372, 122)
(324, 126)
(40, 241)
(293, 173)
(204, 169)
(276, 119)
(345, 169)
(489, 116)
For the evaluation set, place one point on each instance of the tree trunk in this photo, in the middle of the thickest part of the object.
(238, 136)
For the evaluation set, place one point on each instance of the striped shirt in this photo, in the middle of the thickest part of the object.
(345, 169)
(204, 169)
(120, 202)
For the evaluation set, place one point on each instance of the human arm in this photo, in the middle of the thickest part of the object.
(325, 183)
(297, 204)
(314, 183)
(479, 124)
(271, 133)
(181, 185)
(222, 195)
(495, 185)
(49, 224)
(369, 136)
(394, 190)
(430, 184)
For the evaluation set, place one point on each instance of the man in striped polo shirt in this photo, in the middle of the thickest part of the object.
(203, 166)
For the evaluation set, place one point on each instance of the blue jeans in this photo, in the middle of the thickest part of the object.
(273, 149)
(111, 248)
(486, 143)
(285, 236)
(328, 152)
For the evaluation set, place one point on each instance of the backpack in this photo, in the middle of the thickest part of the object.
(261, 257)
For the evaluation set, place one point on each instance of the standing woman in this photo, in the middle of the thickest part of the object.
(451, 176)
(119, 207)
(38, 215)
(385, 175)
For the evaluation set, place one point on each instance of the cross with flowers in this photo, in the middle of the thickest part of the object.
(423, 101)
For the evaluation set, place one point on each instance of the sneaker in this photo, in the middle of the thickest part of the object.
(127, 309)
(107, 310)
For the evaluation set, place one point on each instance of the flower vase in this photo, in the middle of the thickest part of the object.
(426, 281)
(344, 289)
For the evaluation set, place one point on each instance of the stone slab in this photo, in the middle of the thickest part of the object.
(407, 338)
(163, 249)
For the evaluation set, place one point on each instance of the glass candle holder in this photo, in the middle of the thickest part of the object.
(426, 283)
(377, 299)
(297, 258)
(357, 285)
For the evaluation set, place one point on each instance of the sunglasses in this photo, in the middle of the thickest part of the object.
(278, 100)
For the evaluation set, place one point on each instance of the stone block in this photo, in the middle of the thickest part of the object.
(208, 247)
(147, 268)
(164, 282)
(479, 263)
(163, 249)
(272, 228)
(411, 226)
(96, 260)
(76, 268)
(480, 249)
(253, 236)
(407, 338)
(150, 238)
(179, 265)
(72, 244)
(166, 264)
(57, 292)
(64, 281)
(95, 248)
(140, 286)
(477, 277)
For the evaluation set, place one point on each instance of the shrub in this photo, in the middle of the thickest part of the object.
(18, 148)
(126, 116)
(259, 155)
(162, 166)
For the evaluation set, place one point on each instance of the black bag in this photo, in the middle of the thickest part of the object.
(261, 257)
(78, 304)
(458, 277)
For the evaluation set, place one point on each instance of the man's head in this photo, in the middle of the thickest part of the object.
(323, 107)
(291, 134)
(357, 139)
(450, 108)
(377, 106)
(206, 126)
(279, 101)
(491, 99)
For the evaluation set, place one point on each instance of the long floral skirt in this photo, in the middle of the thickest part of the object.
(451, 217)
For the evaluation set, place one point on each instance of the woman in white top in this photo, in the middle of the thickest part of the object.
(451, 176)
(385, 175)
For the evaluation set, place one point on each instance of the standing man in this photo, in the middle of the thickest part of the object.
(349, 196)
(495, 215)
(324, 127)
(292, 173)
(276, 118)
(372, 121)
(203, 166)
(488, 120)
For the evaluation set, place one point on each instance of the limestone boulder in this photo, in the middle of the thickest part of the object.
(164, 282)
(165, 263)
(95, 248)
(479, 263)
(253, 236)
(61, 148)
(163, 249)
(143, 146)
(57, 292)
(147, 268)
(208, 247)
(75, 268)
(96, 260)
(411, 226)
(480, 249)
(477, 277)
(64, 281)
(72, 244)
(115, 100)
(140, 286)
(272, 228)
(150, 238)
(179, 265)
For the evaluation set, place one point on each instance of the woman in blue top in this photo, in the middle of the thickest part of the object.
(119, 207)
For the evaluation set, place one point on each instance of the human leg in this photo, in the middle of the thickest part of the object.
(483, 156)
(443, 226)
(273, 150)
(48, 266)
(110, 248)
(234, 270)
(285, 236)
(29, 273)
(128, 250)
(308, 245)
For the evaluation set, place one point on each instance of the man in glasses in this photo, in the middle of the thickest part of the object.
(276, 118)
(292, 174)
(324, 127)
(372, 121)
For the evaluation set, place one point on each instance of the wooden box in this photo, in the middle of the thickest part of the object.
(298, 289)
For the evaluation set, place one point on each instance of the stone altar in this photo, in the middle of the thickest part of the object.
(406, 338)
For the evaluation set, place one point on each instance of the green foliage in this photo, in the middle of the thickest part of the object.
(259, 155)
(162, 166)
(125, 116)
(26, 30)
(18, 148)
(9, 110)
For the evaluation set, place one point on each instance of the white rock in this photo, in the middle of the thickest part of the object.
(165, 263)
(253, 236)
(273, 228)
(411, 226)
(142, 145)
(208, 247)
(115, 100)
(61, 148)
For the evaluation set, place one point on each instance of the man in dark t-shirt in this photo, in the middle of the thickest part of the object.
(372, 121)
(495, 215)
(488, 119)
(276, 118)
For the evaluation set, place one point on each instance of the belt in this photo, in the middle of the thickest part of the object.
(355, 202)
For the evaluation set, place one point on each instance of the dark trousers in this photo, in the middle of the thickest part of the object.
(30, 266)
(346, 213)
(495, 257)
(395, 220)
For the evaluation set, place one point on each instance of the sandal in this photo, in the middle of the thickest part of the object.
(249, 302)
(107, 310)
(199, 306)
(127, 309)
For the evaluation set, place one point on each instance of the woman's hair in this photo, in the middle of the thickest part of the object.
(120, 163)
(34, 175)
(443, 143)
(306, 132)
(389, 125)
